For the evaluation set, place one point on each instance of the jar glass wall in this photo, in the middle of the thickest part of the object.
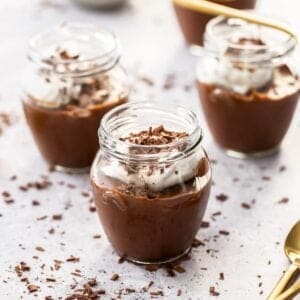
(247, 86)
(151, 181)
(73, 79)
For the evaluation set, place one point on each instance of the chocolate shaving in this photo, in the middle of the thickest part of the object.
(283, 200)
(35, 203)
(57, 217)
(251, 41)
(154, 136)
(222, 197)
(146, 80)
(39, 248)
(65, 55)
(204, 224)
(246, 205)
(22, 267)
(87, 292)
(197, 243)
(213, 292)
(157, 293)
(6, 120)
(224, 232)
(114, 277)
(282, 168)
(32, 288)
(73, 259)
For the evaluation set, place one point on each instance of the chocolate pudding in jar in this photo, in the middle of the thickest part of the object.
(247, 86)
(74, 78)
(151, 181)
(192, 23)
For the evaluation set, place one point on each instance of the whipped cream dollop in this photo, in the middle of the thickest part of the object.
(239, 79)
(54, 91)
(176, 173)
(171, 169)
(71, 72)
(280, 80)
(232, 68)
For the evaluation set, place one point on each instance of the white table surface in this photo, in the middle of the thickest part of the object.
(153, 47)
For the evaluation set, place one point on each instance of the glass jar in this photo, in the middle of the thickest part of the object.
(192, 23)
(73, 79)
(248, 86)
(151, 181)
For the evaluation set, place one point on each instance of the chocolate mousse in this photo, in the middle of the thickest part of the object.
(192, 23)
(248, 91)
(152, 210)
(66, 130)
(68, 90)
(256, 121)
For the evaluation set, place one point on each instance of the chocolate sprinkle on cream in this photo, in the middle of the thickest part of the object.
(154, 136)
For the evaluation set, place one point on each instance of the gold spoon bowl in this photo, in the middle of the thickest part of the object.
(292, 251)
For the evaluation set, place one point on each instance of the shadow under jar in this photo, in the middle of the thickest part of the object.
(247, 86)
(192, 23)
(74, 78)
(151, 181)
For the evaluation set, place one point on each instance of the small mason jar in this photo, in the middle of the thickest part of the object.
(151, 181)
(192, 23)
(248, 86)
(73, 79)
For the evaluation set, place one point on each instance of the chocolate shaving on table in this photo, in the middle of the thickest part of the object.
(6, 120)
(205, 224)
(87, 292)
(246, 205)
(213, 292)
(114, 277)
(222, 197)
(33, 288)
(283, 200)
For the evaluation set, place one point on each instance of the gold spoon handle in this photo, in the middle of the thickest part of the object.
(292, 291)
(216, 9)
(283, 282)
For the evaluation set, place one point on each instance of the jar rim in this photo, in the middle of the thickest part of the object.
(258, 53)
(104, 133)
(106, 60)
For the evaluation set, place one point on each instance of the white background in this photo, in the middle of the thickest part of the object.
(153, 47)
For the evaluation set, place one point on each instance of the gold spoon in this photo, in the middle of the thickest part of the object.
(216, 9)
(292, 251)
(292, 291)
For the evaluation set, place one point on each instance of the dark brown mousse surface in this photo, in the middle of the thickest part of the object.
(66, 135)
(147, 225)
(193, 23)
(253, 122)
